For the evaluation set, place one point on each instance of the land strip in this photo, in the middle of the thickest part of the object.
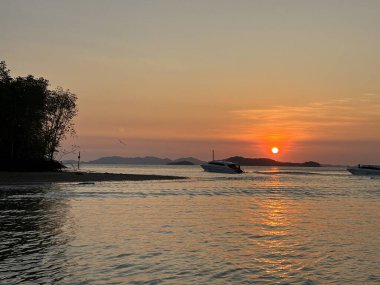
(17, 178)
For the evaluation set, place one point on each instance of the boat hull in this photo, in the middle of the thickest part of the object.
(219, 169)
(363, 171)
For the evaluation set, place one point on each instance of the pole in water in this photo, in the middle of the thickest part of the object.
(78, 159)
(213, 155)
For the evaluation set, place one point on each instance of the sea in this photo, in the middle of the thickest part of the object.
(270, 225)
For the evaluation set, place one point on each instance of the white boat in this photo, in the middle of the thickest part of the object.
(368, 170)
(221, 166)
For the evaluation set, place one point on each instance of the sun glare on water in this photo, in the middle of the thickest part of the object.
(274, 150)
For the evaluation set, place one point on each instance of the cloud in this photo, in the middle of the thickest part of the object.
(343, 118)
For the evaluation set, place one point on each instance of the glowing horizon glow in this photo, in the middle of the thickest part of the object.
(275, 150)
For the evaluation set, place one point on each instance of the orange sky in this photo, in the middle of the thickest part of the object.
(180, 78)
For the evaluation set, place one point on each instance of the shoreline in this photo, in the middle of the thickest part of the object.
(19, 178)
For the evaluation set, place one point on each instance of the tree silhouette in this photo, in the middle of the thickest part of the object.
(33, 119)
(60, 110)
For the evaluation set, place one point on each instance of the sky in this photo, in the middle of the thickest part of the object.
(172, 78)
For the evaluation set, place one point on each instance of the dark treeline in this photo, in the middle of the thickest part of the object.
(33, 121)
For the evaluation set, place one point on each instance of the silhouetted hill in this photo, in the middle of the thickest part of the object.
(181, 162)
(131, 160)
(148, 160)
(151, 160)
(269, 162)
(190, 159)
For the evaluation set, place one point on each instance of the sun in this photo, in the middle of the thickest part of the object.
(275, 150)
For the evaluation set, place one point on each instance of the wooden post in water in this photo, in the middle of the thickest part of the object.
(78, 160)
(213, 155)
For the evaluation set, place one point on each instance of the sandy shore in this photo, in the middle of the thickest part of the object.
(15, 178)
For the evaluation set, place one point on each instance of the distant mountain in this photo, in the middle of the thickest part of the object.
(190, 159)
(152, 160)
(269, 162)
(181, 162)
(130, 160)
(148, 160)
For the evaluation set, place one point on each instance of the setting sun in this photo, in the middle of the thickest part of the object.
(274, 150)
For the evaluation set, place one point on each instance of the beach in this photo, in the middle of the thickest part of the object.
(16, 178)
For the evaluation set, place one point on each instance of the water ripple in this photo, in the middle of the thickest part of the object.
(280, 227)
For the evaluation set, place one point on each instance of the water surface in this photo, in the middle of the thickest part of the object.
(267, 226)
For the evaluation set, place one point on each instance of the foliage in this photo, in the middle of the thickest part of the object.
(33, 119)
(60, 111)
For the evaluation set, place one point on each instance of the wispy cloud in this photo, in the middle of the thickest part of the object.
(344, 118)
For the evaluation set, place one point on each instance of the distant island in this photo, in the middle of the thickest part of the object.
(269, 162)
(148, 160)
(182, 162)
(152, 160)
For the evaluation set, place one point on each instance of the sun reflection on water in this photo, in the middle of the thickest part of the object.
(272, 221)
(276, 248)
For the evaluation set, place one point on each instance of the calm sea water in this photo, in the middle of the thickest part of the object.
(268, 226)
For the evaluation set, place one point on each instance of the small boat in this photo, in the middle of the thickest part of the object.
(361, 169)
(221, 166)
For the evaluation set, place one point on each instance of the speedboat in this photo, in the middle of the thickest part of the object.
(364, 170)
(221, 166)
